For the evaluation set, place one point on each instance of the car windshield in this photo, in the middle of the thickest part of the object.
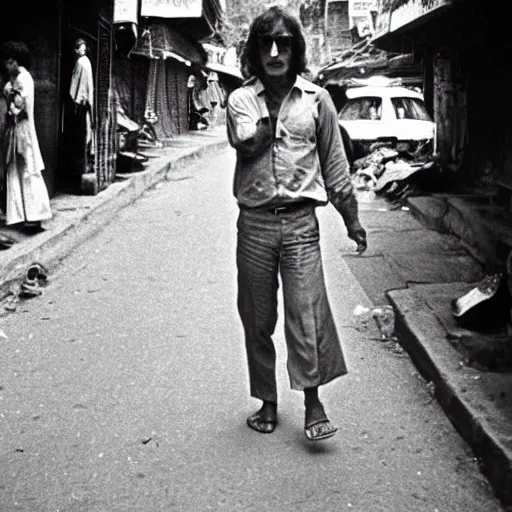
(367, 107)
(410, 108)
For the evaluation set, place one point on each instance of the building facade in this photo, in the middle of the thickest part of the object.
(49, 29)
(152, 72)
(463, 48)
(346, 22)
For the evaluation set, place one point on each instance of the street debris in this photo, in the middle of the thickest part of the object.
(394, 174)
(6, 241)
(484, 313)
(431, 388)
(384, 317)
(35, 278)
(395, 348)
(32, 284)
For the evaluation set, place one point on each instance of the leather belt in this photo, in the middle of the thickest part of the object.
(285, 208)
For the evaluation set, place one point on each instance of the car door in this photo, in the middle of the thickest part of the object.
(409, 118)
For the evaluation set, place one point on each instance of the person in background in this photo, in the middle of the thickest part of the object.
(78, 123)
(81, 88)
(290, 159)
(197, 102)
(26, 197)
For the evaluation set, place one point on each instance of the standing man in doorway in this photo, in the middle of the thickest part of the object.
(78, 125)
(290, 159)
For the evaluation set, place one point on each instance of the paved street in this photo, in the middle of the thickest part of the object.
(124, 387)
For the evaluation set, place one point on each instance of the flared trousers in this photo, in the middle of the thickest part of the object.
(287, 245)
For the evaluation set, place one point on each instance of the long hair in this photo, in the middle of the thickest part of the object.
(18, 51)
(262, 25)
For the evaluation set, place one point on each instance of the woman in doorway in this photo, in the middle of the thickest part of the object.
(26, 198)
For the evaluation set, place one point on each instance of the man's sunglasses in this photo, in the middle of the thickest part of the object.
(283, 43)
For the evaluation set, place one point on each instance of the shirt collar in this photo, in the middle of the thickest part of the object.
(300, 83)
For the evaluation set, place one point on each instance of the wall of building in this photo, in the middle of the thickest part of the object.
(337, 29)
(479, 112)
(465, 58)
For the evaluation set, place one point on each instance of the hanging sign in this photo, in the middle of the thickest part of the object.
(360, 13)
(361, 7)
(172, 8)
(126, 11)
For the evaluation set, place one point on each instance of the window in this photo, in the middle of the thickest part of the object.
(369, 108)
(410, 108)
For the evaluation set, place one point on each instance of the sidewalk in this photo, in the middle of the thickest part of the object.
(479, 403)
(77, 217)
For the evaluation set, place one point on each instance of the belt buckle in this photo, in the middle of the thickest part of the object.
(278, 209)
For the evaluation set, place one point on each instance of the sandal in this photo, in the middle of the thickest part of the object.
(263, 426)
(6, 241)
(317, 434)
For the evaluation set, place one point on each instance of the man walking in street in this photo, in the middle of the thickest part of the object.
(290, 159)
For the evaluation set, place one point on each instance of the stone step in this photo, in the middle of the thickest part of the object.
(483, 228)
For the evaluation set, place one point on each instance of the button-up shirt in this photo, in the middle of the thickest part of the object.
(303, 158)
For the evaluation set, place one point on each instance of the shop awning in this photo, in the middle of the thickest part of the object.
(159, 41)
(398, 17)
(226, 70)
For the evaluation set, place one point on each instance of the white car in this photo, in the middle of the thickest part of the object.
(386, 113)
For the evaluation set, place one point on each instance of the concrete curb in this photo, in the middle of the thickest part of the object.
(68, 231)
(456, 388)
(430, 211)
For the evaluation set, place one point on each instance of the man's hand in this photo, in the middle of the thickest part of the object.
(262, 139)
(264, 129)
(357, 233)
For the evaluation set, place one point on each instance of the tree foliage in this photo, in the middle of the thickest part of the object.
(237, 19)
(239, 15)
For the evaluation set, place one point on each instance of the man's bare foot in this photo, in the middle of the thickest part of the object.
(264, 420)
(317, 425)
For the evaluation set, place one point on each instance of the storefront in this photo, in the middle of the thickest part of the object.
(152, 77)
(162, 60)
(92, 22)
(463, 48)
(49, 29)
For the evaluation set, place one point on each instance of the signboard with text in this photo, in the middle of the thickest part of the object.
(126, 11)
(172, 8)
(359, 12)
(361, 7)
